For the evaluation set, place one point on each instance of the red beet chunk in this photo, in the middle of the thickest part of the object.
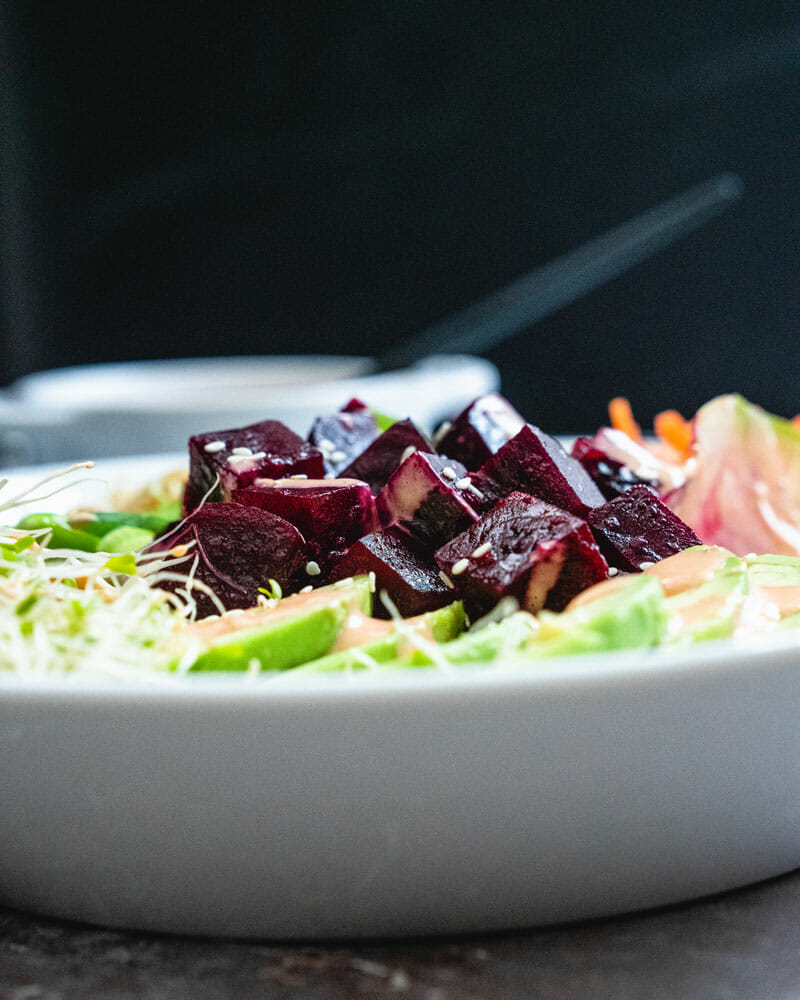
(423, 497)
(342, 436)
(355, 405)
(267, 450)
(612, 477)
(408, 576)
(331, 514)
(524, 548)
(376, 464)
(481, 430)
(238, 549)
(637, 529)
(533, 462)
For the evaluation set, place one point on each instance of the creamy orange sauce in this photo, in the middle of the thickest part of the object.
(360, 628)
(755, 610)
(599, 590)
(786, 599)
(706, 608)
(689, 569)
(357, 629)
(212, 628)
(683, 571)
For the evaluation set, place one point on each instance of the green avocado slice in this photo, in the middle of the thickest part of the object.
(710, 611)
(486, 643)
(633, 615)
(444, 625)
(301, 627)
(276, 645)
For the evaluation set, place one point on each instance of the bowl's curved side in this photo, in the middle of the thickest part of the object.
(127, 408)
(435, 808)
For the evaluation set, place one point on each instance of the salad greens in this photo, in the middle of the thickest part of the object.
(65, 611)
(83, 592)
(99, 531)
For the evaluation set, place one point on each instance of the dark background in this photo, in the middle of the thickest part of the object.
(224, 178)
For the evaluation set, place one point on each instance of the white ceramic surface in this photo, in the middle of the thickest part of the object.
(420, 803)
(134, 408)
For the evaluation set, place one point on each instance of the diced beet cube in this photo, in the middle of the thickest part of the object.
(408, 575)
(524, 548)
(480, 430)
(637, 529)
(611, 476)
(533, 462)
(331, 514)
(354, 405)
(422, 497)
(342, 436)
(268, 449)
(381, 458)
(238, 550)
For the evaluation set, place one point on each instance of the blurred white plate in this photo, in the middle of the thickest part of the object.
(413, 804)
(135, 408)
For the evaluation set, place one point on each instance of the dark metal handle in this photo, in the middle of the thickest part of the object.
(553, 286)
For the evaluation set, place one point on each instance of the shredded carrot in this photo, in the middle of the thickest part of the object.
(675, 431)
(796, 422)
(621, 416)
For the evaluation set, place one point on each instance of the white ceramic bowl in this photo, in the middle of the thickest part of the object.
(420, 803)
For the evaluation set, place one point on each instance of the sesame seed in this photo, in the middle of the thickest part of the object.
(464, 483)
(459, 567)
(646, 564)
(258, 455)
(242, 450)
(482, 550)
(305, 590)
(298, 475)
(612, 571)
(325, 445)
(312, 568)
(448, 473)
(338, 456)
(446, 580)
(474, 489)
(407, 453)
(214, 446)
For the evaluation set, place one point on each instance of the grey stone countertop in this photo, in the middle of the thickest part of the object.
(742, 944)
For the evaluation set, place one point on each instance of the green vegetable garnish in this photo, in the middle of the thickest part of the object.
(125, 564)
(61, 534)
